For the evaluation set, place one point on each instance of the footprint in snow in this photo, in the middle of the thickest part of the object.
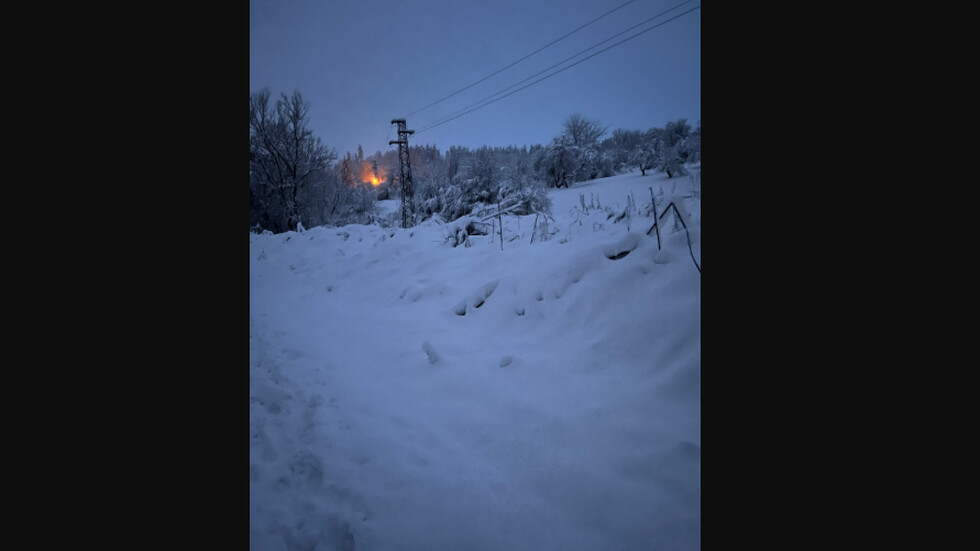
(306, 468)
(430, 352)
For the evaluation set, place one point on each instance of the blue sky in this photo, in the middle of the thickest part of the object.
(361, 63)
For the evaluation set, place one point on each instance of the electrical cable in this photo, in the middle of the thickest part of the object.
(433, 125)
(519, 60)
(449, 117)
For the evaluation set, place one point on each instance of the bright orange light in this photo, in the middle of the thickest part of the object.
(368, 176)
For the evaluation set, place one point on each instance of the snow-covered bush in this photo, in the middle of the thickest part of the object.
(459, 231)
(521, 189)
(478, 185)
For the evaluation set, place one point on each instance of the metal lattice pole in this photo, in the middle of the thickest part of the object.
(408, 194)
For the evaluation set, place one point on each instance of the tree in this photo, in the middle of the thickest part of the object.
(691, 152)
(644, 157)
(347, 171)
(349, 200)
(582, 136)
(284, 160)
(671, 148)
(453, 159)
(429, 177)
(556, 162)
(618, 149)
(676, 132)
(583, 132)
(484, 182)
(477, 183)
(520, 189)
(670, 160)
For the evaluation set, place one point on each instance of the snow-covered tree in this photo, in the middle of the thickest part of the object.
(284, 160)
(471, 181)
(483, 175)
(675, 132)
(619, 147)
(691, 151)
(429, 178)
(454, 157)
(555, 162)
(347, 171)
(575, 155)
(671, 146)
(582, 137)
(644, 157)
(669, 159)
(523, 190)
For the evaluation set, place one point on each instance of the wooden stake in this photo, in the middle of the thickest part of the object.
(653, 203)
(501, 220)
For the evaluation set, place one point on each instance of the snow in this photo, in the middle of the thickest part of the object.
(407, 394)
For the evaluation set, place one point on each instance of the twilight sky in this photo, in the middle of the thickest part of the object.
(361, 63)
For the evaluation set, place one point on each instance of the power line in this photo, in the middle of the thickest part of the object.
(521, 59)
(459, 111)
(431, 126)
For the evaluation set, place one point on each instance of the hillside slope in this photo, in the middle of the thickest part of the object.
(407, 394)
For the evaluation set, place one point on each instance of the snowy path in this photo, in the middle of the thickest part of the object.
(561, 413)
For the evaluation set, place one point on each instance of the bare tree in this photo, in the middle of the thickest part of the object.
(583, 132)
(284, 158)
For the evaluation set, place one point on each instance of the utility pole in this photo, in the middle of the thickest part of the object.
(408, 194)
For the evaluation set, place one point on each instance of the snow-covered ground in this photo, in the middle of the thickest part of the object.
(406, 394)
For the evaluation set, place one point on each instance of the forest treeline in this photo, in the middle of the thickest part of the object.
(296, 181)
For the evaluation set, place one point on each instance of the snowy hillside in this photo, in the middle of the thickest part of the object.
(406, 394)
